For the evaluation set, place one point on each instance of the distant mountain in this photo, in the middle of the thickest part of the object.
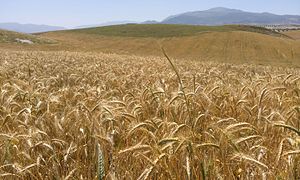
(111, 23)
(221, 16)
(29, 28)
(150, 22)
(105, 24)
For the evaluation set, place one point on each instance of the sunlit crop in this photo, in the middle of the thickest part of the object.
(104, 116)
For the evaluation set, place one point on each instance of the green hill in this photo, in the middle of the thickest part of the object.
(15, 37)
(167, 30)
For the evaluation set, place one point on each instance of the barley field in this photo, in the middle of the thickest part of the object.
(68, 115)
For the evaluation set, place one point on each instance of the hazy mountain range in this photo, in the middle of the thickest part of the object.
(214, 16)
(105, 24)
(221, 16)
(29, 28)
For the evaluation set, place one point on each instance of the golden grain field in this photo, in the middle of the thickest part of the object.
(224, 47)
(83, 115)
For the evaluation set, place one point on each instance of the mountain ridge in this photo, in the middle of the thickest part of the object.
(211, 17)
(109, 23)
(222, 16)
(29, 28)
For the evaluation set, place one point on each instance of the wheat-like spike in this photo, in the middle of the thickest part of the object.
(168, 140)
(203, 171)
(70, 174)
(285, 79)
(173, 99)
(148, 171)
(242, 101)
(145, 173)
(213, 89)
(180, 145)
(178, 128)
(232, 126)
(134, 148)
(264, 91)
(140, 125)
(197, 119)
(226, 120)
(188, 168)
(291, 152)
(128, 116)
(250, 159)
(6, 175)
(243, 139)
(289, 128)
(280, 149)
(101, 163)
(108, 110)
(27, 167)
(180, 83)
(203, 145)
(68, 152)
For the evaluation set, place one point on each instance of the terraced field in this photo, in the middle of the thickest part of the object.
(85, 115)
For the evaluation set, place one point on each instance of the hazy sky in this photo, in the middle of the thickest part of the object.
(70, 13)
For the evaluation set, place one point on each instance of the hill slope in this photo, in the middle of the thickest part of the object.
(293, 34)
(224, 44)
(221, 16)
(166, 30)
(15, 37)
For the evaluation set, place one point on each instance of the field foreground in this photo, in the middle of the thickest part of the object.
(83, 115)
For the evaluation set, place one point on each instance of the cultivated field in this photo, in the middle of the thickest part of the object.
(225, 44)
(67, 115)
(229, 44)
(294, 34)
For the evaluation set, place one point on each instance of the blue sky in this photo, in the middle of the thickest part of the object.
(71, 13)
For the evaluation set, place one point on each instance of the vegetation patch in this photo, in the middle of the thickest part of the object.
(167, 30)
(15, 37)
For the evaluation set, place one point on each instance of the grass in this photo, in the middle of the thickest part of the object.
(78, 115)
(10, 37)
(167, 30)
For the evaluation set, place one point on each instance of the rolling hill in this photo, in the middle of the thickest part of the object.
(17, 38)
(166, 30)
(221, 16)
(231, 44)
(237, 44)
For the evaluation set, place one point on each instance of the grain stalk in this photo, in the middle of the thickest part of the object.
(181, 86)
